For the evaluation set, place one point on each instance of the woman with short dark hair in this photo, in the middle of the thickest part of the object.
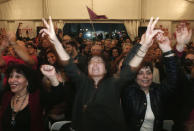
(23, 99)
(144, 101)
(97, 102)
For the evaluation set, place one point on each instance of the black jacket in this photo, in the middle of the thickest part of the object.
(134, 99)
(183, 104)
(99, 109)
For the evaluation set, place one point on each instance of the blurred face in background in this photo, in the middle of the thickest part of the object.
(128, 41)
(80, 35)
(69, 49)
(113, 44)
(89, 43)
(51, 58)
(96, 50)
(31, 50)
(86, 50)
(46, 43)
(107, 45)
(126, 48)
(11, 51)
(100, 43)
(115, 53)
(158, 52)
(66, 39)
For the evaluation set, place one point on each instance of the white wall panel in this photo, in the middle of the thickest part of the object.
(168, 9)
(76, 9)
(118, 9)
(68, 9)
(113, 9)
(21, 9)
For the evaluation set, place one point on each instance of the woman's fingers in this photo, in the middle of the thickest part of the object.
(51, 23)
(44, 32)
(49, 29)
(150, 28)
(45, 23)
(190, 33)
(154, 23)
(150, 23)
(46, 69)
(159, 37)
(156, 32)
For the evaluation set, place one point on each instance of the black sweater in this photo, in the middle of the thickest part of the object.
(99, 109)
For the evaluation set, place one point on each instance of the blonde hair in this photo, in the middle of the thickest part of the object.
(126, 44)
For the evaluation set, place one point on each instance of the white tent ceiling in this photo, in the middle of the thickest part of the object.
(30, 12)
(113, 9)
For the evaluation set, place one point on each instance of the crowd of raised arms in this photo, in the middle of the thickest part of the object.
(111, 84)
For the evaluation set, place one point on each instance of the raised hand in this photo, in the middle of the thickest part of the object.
(163, 42)
(183, 36)
(3, 44)
(3, 32)
(48, 70)
(147, 38)
(50, 73)
(50, 31)
(146, 41)
(11, 37)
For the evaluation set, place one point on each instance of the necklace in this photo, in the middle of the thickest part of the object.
(14, 113)
(19, 97)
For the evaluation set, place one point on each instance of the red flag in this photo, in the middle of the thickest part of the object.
(94, 16)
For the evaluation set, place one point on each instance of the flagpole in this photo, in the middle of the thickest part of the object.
(93, 27)
(92, 4)
(91, 22)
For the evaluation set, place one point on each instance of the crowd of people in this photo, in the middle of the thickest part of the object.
(99, 85)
